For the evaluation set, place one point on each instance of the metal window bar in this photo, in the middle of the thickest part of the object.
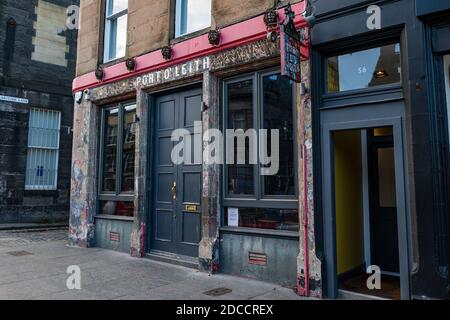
(43, 149)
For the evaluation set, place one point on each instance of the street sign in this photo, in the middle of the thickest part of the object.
(13, 99)
(291, 44)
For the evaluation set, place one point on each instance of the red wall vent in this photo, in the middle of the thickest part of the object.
(114, 236)
(259, 259)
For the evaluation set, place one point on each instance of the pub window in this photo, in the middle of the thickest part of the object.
(364, 69)
(117, 160)
(261, 101)
(191, 16)
(43, 149)
(116, 19)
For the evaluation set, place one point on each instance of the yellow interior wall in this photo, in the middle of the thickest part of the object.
(349, 203)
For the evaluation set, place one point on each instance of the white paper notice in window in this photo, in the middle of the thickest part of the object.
(233, 217)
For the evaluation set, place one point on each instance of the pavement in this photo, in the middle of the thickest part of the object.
(34, 264)
(21, 226)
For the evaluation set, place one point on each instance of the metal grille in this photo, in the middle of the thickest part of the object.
(217, 292)
(19, 253)
(43, 149)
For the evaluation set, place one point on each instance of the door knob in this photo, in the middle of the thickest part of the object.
(174, 191)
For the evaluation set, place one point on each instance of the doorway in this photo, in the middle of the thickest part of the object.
(175, 225)
(364, 201)
(366, 210)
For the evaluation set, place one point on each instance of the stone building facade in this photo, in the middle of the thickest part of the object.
(37, 64)
(201, 71)
(345, 201)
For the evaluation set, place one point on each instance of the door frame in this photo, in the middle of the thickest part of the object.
(354, 119)
(151, 141)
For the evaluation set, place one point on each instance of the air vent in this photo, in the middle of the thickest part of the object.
(259, 259)
(114, 236)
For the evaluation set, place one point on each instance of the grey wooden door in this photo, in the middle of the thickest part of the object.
(176, 219)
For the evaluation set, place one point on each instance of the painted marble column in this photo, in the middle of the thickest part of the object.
(306, 195)
(209, 245)
(83, 184)
(140, 181)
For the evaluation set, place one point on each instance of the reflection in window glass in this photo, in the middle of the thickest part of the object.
(364, 69)
(240, 116)
(115, 29)
(278, 115)
(116, 6)
(110, 149)
(128, 149)
(274, 219)
(191, 16)
(117, 208)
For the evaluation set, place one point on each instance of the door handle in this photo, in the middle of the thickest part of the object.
(174, 191)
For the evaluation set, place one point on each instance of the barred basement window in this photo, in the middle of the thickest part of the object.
(43, 149)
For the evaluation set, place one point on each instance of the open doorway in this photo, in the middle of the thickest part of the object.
(365, 203)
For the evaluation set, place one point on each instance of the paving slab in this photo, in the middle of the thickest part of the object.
(33, 266)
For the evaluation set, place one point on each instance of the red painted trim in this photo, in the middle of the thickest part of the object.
(232, 36)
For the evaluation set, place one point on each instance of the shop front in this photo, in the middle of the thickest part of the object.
(379, 200)
(130, 194)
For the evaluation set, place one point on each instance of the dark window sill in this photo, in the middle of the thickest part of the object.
(263, 203)
(261, 232)
(112, 62)
(110, 217)
(189, 36)
(37, 192)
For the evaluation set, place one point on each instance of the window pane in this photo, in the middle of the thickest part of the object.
(110, 149)
(278, 115)
(274, 219)
(43, 149)
(240, 116)
(192, 15)
(117, 37)
(117, 208)
(364, 69)
(41, 169)
(129, 138)
(115, 6)
(386, 178)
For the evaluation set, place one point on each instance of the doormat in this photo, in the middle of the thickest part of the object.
(217, 292)
(19, 253)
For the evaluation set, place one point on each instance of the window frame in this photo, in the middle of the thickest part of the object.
(29, 187)
(446, 59)
(117, 195)
(177, 15)
(258, 199)
(327, 96)
(107, 31)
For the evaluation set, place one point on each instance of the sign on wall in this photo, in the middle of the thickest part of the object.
(290, 57)
(291, 44)
(173, 73)
(13, 99)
